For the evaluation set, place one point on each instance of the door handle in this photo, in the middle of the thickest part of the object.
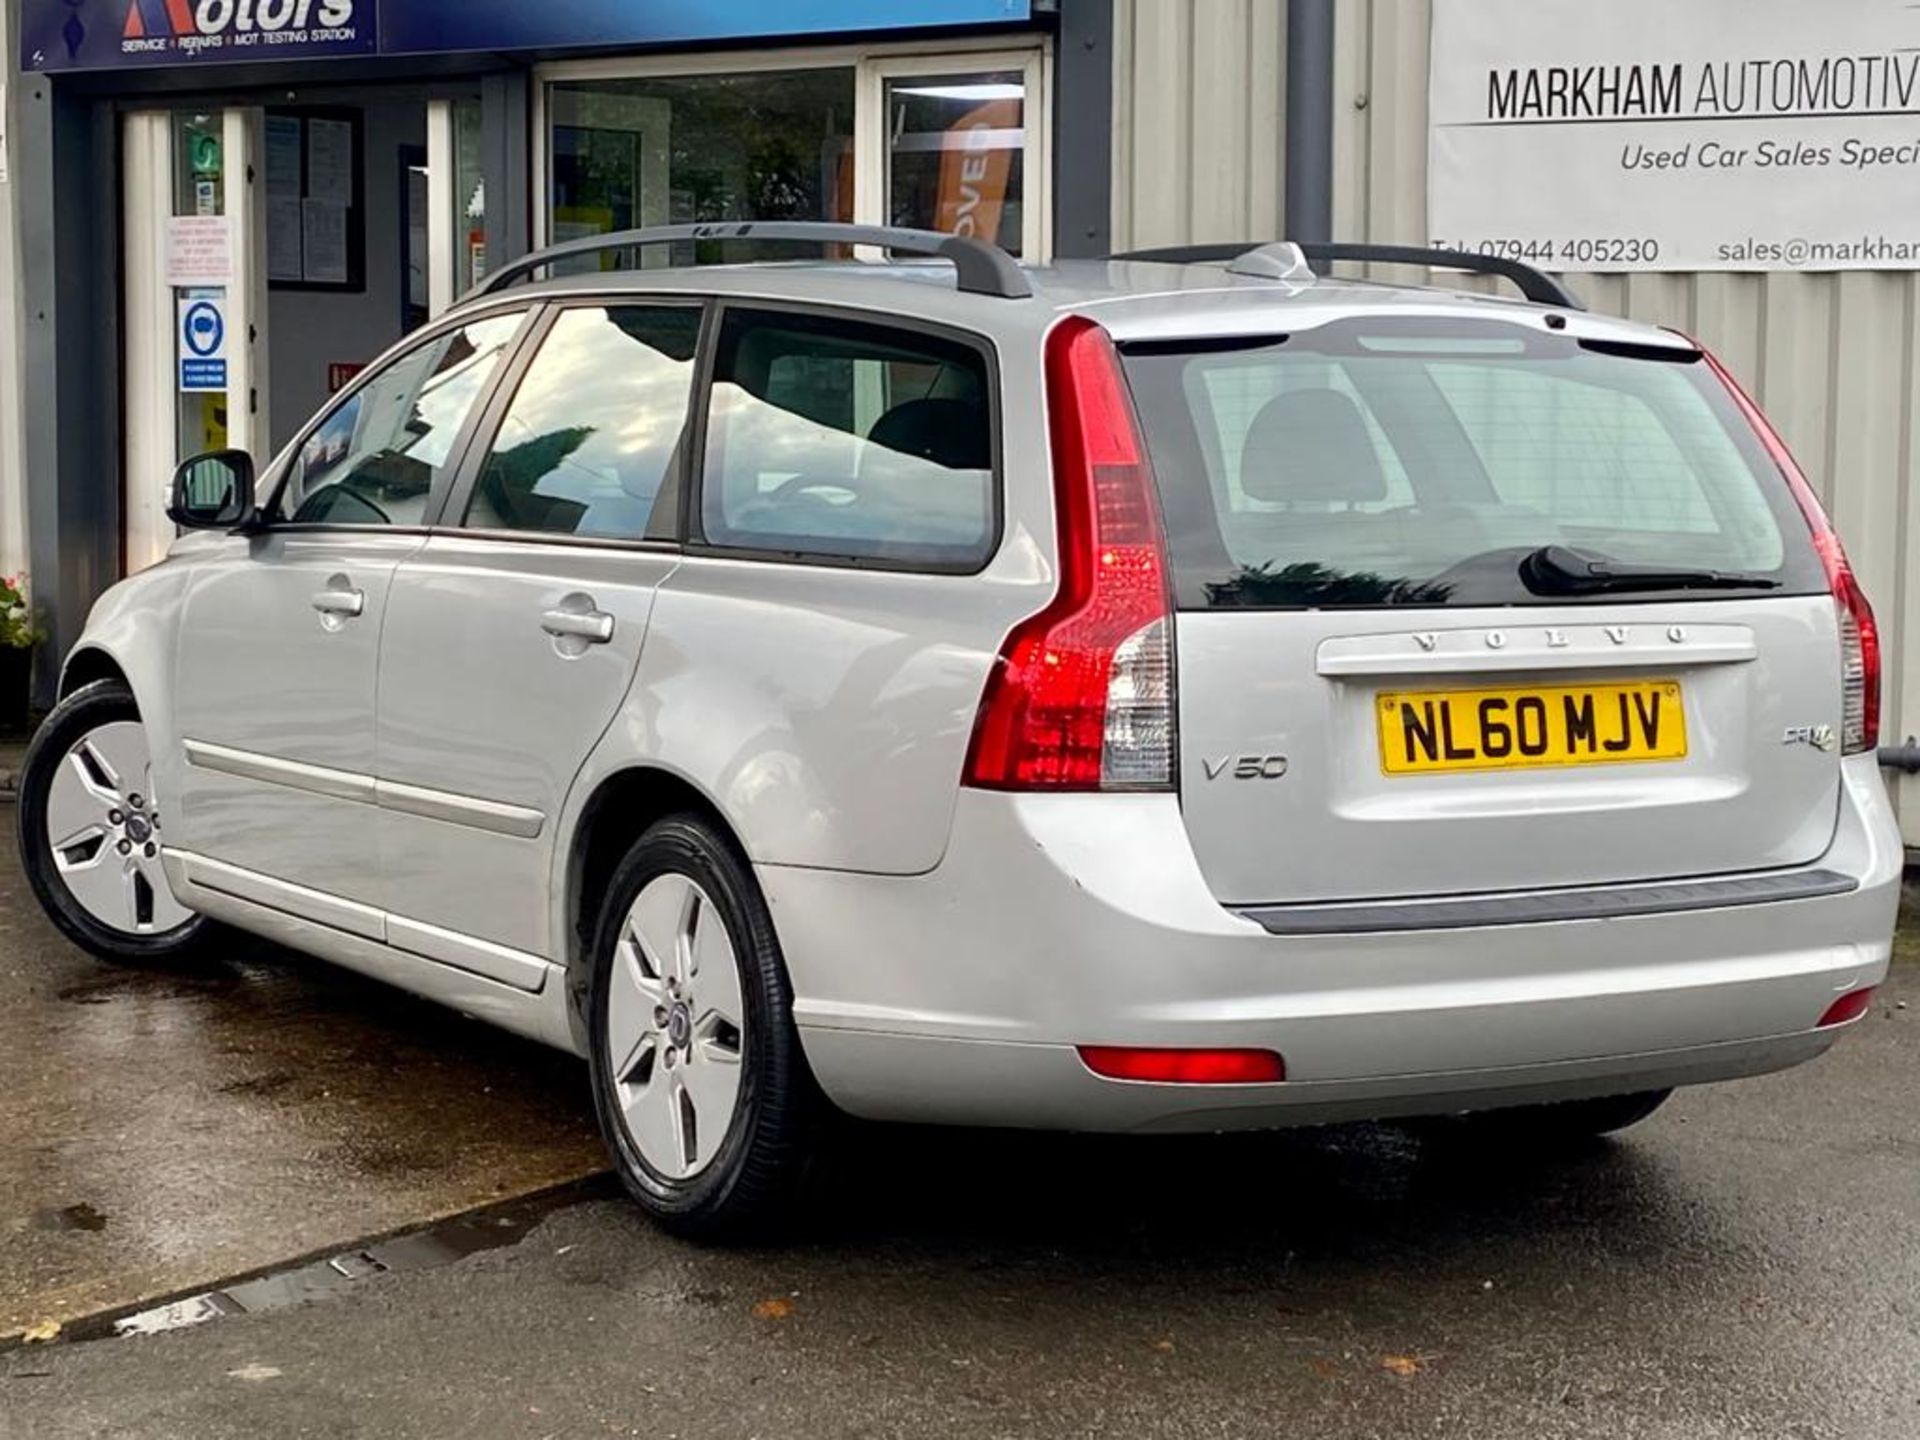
(593, 626)
(339, 599)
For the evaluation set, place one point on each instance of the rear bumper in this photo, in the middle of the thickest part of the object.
(958, 995)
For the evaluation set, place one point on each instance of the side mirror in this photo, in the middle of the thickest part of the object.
(213, 491)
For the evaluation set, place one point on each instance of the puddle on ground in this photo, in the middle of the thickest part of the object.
(69, 1217)
(490, 1228)
(148, 985)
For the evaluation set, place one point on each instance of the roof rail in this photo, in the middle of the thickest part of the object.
(982, 269)
(1539, 288)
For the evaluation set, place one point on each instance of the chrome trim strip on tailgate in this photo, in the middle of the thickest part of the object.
(1547, 907)
(1535, 647)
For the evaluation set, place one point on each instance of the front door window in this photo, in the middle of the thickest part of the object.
(376, 457)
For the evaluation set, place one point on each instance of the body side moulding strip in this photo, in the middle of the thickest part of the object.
(518, 821)
(539, 1017)
(316, 905)
(450, 947)
(295, 774)
(498, 963)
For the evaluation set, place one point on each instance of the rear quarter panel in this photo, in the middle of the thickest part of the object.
(827, 713)
(824, 709)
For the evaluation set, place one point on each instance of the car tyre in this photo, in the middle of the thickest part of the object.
(90, 834)
(702, 1093)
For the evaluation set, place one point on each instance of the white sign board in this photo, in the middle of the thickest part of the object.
(199, 250)
(1677, 134)
(201, 338)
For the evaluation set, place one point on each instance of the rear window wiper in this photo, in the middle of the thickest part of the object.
(1562, 570)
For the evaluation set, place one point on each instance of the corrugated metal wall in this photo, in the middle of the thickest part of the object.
(1834, 359)
(1198, 122)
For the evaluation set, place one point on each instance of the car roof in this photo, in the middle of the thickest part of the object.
(1133, 299)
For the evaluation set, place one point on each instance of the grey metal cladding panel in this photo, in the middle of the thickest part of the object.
(1550, 907)
(1833, 358)
(1198, 155)
(1198, 120)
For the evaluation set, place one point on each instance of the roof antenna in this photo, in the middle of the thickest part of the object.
(1282, 260)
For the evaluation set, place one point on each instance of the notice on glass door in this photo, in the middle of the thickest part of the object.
(284, 250)
(199, 251)
(283, 156)
(323, 242)
(330, 161)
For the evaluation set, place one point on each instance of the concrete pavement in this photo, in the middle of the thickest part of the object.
(160, 1131)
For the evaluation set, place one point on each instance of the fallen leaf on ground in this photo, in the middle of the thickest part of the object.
(45, 1330)
(1165, 1347)
(255, 1371)
(777, 1308)
(1402, 1364)
(1325, 1369)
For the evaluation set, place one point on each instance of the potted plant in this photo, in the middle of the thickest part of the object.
(20, 631)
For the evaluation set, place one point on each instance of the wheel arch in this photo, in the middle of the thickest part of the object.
(616, 812)
(89, 664)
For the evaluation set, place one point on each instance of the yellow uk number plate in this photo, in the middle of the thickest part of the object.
(1530, 725)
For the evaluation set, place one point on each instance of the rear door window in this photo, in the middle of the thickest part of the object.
(842, 438)
(1366, 464)
(595, 428)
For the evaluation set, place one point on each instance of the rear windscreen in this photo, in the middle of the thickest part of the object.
(1422, 463)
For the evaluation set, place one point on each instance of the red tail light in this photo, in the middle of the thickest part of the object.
(1184, 1067)
(1082, 696)
(1859, 636)
(1850, 1006)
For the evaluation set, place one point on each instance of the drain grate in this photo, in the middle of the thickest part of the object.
(322, 1277)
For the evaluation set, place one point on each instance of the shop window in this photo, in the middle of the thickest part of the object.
(844, 438)
(595, 428)
(955, 154)
(758, 146)
(469, 199)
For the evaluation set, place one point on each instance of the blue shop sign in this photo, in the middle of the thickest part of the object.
(117, 34)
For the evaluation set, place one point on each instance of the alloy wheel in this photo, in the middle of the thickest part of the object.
(105, 834)
(675, 1027)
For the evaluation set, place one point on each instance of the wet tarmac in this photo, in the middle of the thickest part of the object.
(160, 1132)
(1745, 1264)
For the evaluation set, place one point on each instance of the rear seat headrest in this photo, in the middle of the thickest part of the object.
(952, 433)
(1311, 445)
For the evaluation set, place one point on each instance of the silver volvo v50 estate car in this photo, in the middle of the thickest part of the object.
(1173, 692)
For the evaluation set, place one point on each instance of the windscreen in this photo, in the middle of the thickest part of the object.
(1458, 462)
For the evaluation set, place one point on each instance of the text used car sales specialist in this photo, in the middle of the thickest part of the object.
(1676, 146)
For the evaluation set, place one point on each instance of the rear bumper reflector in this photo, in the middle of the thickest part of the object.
(1546, 907)
(1850, 1006)
(1184, 1067)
